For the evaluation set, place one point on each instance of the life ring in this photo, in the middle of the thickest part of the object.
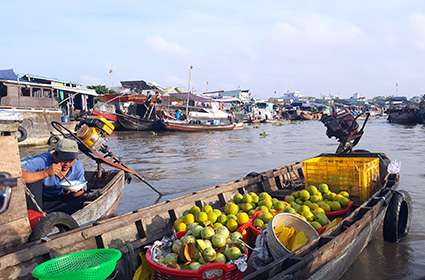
(397, 217)
(21, 134)
(59, 220)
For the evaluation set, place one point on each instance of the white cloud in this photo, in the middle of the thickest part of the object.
(417, 22)
(159, 43)
(316, 31)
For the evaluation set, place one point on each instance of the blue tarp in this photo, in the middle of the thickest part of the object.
(8, 74)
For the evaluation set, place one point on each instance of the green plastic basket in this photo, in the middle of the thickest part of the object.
(93, 264)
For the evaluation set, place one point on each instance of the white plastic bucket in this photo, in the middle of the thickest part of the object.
(276, 248)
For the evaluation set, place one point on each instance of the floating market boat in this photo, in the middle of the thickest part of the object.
(106, 194)
(375, 202)
(135, 123)
(403, 116)
(188, 126)
(308, 116)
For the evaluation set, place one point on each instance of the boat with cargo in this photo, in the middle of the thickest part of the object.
(371, 178)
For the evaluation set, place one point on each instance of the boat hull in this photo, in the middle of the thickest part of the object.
(106, 204)
(186, 127)
(131, 123)
(402, 117)
(331, 255)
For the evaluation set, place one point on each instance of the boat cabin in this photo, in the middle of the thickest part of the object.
(30, 91)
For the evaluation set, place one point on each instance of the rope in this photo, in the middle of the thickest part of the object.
(30, 194)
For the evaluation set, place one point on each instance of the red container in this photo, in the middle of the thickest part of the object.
(342, 212)
(215, 271)
(249, 231)
(34, 218)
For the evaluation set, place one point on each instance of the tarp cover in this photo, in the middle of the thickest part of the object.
(8, 74)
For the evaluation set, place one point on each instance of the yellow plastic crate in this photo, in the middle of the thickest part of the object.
(357, 175)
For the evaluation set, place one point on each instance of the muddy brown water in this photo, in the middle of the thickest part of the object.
(180, 163)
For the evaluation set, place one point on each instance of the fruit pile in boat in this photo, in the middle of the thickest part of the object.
(206, 235)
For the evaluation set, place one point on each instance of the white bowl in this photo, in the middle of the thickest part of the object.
(75, 185)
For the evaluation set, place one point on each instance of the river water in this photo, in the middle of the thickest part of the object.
(180, 163)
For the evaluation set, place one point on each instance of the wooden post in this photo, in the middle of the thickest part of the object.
(14, 224)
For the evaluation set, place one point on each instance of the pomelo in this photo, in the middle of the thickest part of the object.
(289, 198)
(222, 219)
(231, 208)
(220, 258)
(194, 210)
(243, 218)
(232, 253)
(247, 198)
(218, 241)
(207, 232)
(323, 188)
(207, 208)
(335, 205)
(237, 198)
(232, 224)
(209, 254)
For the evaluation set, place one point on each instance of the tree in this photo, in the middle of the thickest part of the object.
(101, 89)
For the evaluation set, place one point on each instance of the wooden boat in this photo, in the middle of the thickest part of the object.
(108, 188)
(184, 126)
(308, 116)
(109, 116)
(239, 126)
(403, 116)
(253, 121)
(328, 258)
(135, 123)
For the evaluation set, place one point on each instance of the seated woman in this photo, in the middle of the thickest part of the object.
(44, 175)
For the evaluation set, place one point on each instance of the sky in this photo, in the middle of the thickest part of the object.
(316, 47)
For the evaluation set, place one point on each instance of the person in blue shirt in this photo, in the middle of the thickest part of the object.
(178, 115)
(44, 175)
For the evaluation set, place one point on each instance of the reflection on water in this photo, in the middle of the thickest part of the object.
(181, 163)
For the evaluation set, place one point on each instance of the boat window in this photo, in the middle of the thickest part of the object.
(25, 91)
(261, 105)
(36, 92)
(47, 93)
(3, 90)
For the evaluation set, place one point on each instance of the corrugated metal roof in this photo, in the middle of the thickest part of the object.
(8, 74)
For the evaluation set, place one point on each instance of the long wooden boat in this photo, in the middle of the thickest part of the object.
(328, 258)
(308, 116)
(108, 188)
(134, 123)
(403, 116)
(184, 126)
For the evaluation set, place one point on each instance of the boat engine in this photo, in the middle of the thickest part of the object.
(344, 127)
(93, 132)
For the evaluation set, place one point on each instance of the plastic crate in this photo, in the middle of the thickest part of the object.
(357, 175)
